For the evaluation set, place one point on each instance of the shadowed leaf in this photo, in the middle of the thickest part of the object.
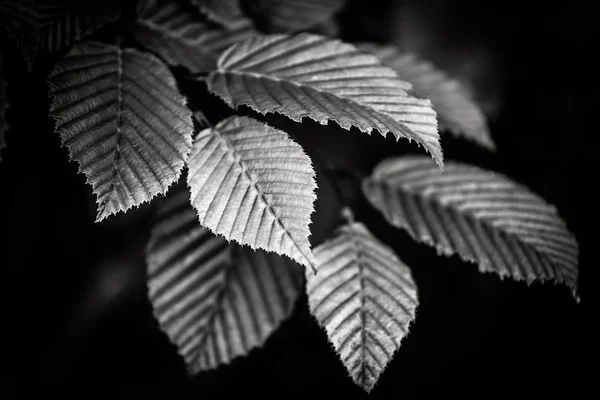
(293, 15)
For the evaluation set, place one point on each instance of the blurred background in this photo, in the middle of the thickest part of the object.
(77, 319)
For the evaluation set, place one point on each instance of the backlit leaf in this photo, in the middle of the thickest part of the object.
(120, 115)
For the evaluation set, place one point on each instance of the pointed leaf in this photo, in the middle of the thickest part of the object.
(123, 120)
(484, 217)
(294, 15)
(182, 37)
(311, 76)
(75, 20)
(364, 297)
(252, 184)
(216, 301)
(223, 12)
(3, 107)
(457, 112)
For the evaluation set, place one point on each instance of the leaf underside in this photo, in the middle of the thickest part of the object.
(224, 12)
(365, 299)
(484, 217)
(182, 37)
(312, 76)
(75, 21)
(457, 112)
(3, 107)
(215, 301)
(295, 15)
(121, 117)
(252, 184)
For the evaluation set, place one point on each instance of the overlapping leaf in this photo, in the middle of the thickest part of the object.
(182, 37)
(326, 80)
(252, 184)
(457, 112)
(294, 15)
(216, 301)
(224, 12)
(123, 120)
(364, 297)
(3, 107)
(75, 20)
(484, 217)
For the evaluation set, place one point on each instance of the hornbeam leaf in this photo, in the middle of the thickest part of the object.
(456, 110)
(215, 301)
(484, 217)
(223, 12)
(252, 184)
(119, 113)
(182, 37)
(3, 107)
(76, 20)
(364, 297)
(311, 76)
(293, 15)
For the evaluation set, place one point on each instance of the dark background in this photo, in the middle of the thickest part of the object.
(76, 317)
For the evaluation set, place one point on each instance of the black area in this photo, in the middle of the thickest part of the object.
(76, 319)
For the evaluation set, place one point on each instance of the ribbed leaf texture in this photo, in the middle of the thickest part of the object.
(123, 120)
(74, 21)
(364, 297)
(182, 37)
(312, 76)
(3, 107)
(293, 15)
(484, 217)
(457, 112)
(252, 184)
(216, 301)
(223, 12)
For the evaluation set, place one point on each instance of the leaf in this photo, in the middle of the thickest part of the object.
(3, 107)
(252, 184)
(182, 37)
(364, 297)
(223, 12)
(311, 76)
(123, 120)
(76, 20)
(456, 110)
(216, 301)
(484, 217)
(294, 15)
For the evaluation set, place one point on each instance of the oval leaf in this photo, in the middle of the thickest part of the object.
(311, 76)
(457, 112)
(216, 301)
(252, 184)
(182, 37)
(123, 120)
(294, 15)
(484, 217)
(364, 297)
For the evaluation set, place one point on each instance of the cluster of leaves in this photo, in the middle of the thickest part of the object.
(227, 249)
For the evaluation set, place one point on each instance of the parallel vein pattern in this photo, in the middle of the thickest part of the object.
(294, 15)
(486, 218)
(364, 297)
(121, 117)
(456, 110)
(216, 301)
(312, 76)
(252, 184)
(182, 37)
(75, 21)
